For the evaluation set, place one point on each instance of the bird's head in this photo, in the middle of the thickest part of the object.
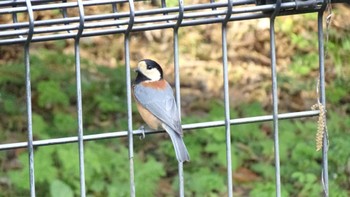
(148, 71)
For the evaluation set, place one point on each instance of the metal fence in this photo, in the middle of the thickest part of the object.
(25, 33)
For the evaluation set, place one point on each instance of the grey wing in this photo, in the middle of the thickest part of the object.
(161, 104)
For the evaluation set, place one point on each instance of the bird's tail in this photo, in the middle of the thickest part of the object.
(178, 143)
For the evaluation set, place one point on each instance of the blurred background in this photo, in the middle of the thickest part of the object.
(104, 110)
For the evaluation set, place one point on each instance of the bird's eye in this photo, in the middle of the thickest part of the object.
(149, 67)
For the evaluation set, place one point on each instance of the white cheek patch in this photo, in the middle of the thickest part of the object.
(142, 66)
(153, 74)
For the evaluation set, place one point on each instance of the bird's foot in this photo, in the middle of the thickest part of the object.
(143, 136)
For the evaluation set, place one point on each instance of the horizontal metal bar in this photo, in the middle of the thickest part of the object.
(59, 6)
(38, 2)
(122, 14)
(121, 22)
(22, 2)
(63, 21)
(135, 29)
(99, 24)
(140, 28)
(201, 125)
(18, 33)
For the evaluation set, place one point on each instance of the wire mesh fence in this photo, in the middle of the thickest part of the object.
(116, 22)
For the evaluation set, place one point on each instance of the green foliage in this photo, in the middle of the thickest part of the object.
(265, 190)
(338, 48)
(253, 148)
(172, 3)
(106, 171)
(11, 73)
(40, 126)
(337, 90)
(50, 93)
(19, 178)
(54, 115)
(301, 42)
(9, 104)
(308, 183)
(285, 24)
(64, 122)
(106, 162)
(151, 169)
(60, 189)
(205, 182)
(303, 64)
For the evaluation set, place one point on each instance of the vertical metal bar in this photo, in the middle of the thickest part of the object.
(213, 1)
(163, 4)
(115, 10)
(177, 86)
(14, 18)
(227, 99)
(79, 98)
(64, 14)
(323, 100)
(130, 134)
(275, 96)
(178, 103)
(29, 98)
(227, 111)
(128, 95)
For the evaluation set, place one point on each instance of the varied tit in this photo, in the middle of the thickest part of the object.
(156, 104)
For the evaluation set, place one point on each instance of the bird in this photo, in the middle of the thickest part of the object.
(156, 104)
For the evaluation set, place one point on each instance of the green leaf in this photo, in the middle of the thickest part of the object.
(218, 152)
(109, 103)
(98, 186)
(50, 93)
(247, 132)
(12, 73)
(252, 109)
(286, 25)
(346, 44)
(267, 170)
(335, 93)
(93, 154)
(40, 126)
(19, 178)
(216, 134)
(337, 189)
(147, 176)
(45, 169)
(204, 182)
(266, 189)
(308, 184)
(195, 151)
(217, 111)
(67, 156)
(10, 104)
(59, 188)
(266, 148)
(303, 64)
(300, 41)
(65, 122)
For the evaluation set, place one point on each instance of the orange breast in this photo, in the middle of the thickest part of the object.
(148, 117)
(160, 85)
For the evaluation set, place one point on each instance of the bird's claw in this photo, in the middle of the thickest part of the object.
(143, 136)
